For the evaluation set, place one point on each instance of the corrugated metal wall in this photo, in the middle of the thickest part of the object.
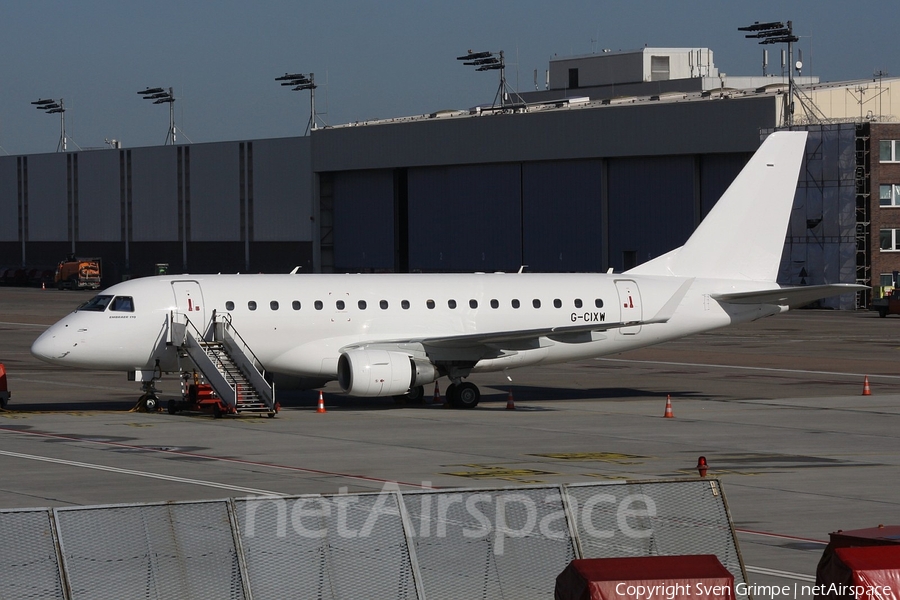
(562, 216)
(48, 214)
(364, 220)
(651, 207)
(214, 193)
(9, 200)
(282, 190)
(99, 197)
(465, 218)
(154, 188)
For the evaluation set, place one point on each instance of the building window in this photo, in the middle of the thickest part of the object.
(890, 240)
(889, 194)
(573, 79)
(887, 280)
(890, 151)
(659, 68)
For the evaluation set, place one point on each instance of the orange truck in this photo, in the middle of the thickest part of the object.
(78, 273)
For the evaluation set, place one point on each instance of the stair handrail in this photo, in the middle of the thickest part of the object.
(257, 364)
(199, 336)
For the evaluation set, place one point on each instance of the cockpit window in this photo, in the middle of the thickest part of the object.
(122, 303)
(96, 304)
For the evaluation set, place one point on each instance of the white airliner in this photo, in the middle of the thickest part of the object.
(389, 334)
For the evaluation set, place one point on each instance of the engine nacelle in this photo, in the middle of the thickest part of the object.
(371, 372)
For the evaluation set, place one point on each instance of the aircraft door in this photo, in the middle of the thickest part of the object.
(629, 305)
(189, 302)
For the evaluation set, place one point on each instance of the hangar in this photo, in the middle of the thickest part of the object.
(575, 178)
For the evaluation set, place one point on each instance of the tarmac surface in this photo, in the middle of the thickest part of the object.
(775, 406)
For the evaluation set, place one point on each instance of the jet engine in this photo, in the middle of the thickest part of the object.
(370, 372)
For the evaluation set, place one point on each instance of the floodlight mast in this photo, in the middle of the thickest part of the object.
(299, 82)
(777, 32)
(491, 61)
(51, 107)
(161, 96)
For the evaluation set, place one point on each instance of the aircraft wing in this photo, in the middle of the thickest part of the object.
(792, 297)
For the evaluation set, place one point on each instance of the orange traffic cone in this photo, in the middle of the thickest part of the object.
(321, 407)
(866, 390)
(510, 404)
(669, 414)
(436, 399)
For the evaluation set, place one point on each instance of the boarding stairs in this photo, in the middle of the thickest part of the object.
(226, 362)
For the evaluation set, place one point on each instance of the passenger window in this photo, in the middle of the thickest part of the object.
(557, 303)
(536, 303)
(362, 305)
(495, 303)
(473, 303)
(429, 303)
(97, 303)
(598, 303)
(404, 304)
(577, 302)
(273, 305)
(451, 303)
(339, 304)
(295, 305)
(251, 305)
(122, 303)
(383, 304)
(318, 305)
(515, 303)
(229, 306)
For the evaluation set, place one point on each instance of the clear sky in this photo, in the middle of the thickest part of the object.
(372, 59)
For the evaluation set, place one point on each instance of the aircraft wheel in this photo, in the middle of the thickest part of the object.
(172, 407)
(151, 402)
(450, 395)
(416, 395)
(467, 395)
(217, 411)
(882, 313)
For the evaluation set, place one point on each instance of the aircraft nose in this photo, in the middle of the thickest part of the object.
(49, 347)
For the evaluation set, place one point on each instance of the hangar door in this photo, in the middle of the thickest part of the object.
(364, 221)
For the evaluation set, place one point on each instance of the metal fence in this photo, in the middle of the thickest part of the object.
(448, 543)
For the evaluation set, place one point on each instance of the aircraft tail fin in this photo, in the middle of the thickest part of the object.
(742, 237)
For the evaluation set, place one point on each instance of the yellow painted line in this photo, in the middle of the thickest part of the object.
(497, 473)
(613, 457)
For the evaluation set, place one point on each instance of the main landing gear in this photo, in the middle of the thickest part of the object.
(464, 394)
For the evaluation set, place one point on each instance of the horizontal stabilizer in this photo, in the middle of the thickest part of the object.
(791, 297)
